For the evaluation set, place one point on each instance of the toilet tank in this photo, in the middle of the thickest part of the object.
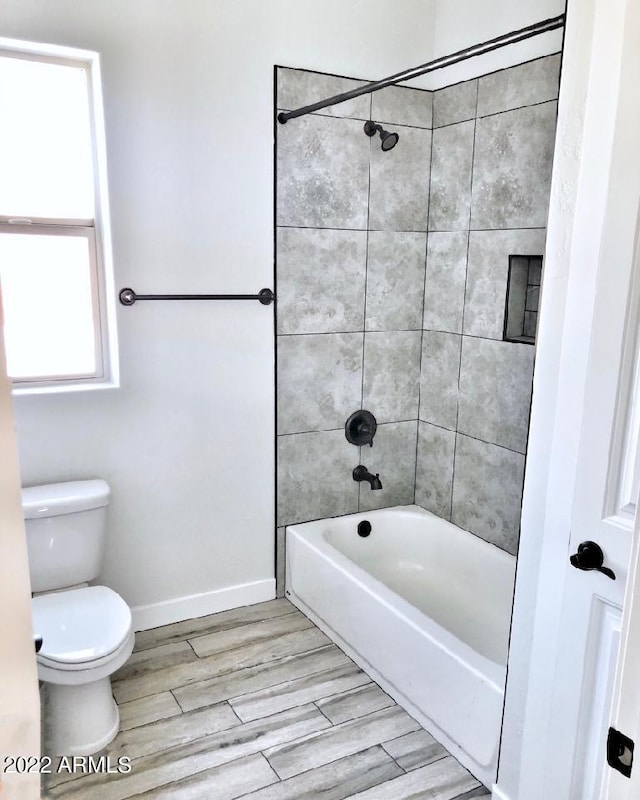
(66, 528)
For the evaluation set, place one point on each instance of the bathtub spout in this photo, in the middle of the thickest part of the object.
(362, 474)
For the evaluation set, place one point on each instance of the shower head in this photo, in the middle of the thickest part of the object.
(387, 140)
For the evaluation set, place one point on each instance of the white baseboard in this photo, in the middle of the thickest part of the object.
(496, 794)
(199, 605)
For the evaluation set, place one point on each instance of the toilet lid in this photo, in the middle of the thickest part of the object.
(80, 624)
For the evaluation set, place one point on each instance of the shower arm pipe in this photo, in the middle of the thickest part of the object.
(439, 63)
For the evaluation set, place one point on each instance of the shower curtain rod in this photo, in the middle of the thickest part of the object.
(444, 61)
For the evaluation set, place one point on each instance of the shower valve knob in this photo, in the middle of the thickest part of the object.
(360, 428)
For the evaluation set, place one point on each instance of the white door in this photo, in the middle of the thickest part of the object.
(581, 479)
(606, 476)
(625, 714)
(19, 699)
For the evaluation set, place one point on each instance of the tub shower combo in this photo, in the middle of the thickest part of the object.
(410, 230)
(424, 607)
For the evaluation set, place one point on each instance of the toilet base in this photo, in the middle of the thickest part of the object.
(80, 719)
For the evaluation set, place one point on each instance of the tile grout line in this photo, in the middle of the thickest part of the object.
(411, 230)
(192, 647)
(292, 680)
(494, 113)
(466, 274)
(403, 771)
(475, 438)
(464, 303)
(424, 292)
(171, 692)
(446, 754)
(275, 783)
(403, 330)
(366, 286)
(338, 430)
(233, 711)
(348, 333)
(315, 703)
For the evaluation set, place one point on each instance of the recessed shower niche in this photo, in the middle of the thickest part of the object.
(523, 295)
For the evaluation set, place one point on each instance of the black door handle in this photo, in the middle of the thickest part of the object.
(591, 557)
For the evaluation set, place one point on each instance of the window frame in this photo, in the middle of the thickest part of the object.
(96, 230)
(99, 323)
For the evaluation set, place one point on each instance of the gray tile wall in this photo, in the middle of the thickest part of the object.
(351, 244)
(493, 144)
(364, 322)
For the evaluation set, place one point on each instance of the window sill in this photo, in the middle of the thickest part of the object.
(61, 387)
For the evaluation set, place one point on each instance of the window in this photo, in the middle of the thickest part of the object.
(55, 268)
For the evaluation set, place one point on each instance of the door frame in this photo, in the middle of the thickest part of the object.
(584, 147)
(19, 695)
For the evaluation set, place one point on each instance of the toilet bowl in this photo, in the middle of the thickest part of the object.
(86, 636)
(86, 631)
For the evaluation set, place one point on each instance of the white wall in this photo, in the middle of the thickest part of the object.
(187, 442)
(461, 23)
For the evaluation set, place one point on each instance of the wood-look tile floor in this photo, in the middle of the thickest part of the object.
(257, 703)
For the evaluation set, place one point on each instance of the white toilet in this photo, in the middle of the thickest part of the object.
(86, 631)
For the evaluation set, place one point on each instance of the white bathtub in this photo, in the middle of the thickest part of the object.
(424, 607)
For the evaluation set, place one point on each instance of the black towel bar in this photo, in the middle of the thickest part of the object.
(128, 297)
